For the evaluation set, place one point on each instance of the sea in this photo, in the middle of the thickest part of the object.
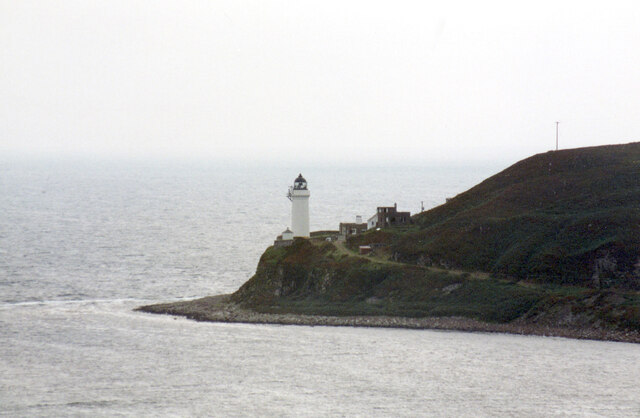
(84, 242)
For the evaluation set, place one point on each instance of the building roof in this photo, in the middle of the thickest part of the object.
(300, 183)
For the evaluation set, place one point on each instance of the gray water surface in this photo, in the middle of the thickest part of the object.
(82, 244)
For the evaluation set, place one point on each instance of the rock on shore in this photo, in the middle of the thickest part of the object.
(221, 309)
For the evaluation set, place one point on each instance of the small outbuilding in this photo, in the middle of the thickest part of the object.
(352, 228)
(285, 239)
(364, 249)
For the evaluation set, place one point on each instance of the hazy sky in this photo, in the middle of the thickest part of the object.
(316, 81)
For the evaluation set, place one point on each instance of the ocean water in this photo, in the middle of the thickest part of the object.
(83, 243)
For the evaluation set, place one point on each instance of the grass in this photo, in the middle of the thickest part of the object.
(308, 278)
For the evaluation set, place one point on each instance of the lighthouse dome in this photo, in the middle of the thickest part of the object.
(300, 183)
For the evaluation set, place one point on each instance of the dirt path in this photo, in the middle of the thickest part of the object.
(342, 249)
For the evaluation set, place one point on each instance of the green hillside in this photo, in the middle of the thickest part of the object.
(314, 278)
(566, 217)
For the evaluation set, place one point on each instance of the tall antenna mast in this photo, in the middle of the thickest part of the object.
(557, 123)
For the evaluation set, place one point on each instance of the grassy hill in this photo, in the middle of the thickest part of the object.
(564, 217)
(315, 278)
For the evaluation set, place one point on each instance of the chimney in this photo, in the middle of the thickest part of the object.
(358, 219)
(395, 206)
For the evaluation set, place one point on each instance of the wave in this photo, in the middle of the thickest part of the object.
(71, 302)
(13, 303)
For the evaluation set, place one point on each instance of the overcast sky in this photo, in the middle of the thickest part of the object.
(326, 81)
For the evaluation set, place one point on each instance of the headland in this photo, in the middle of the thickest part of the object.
(549, 246)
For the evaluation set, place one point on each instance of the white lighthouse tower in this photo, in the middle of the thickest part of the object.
(299, 196)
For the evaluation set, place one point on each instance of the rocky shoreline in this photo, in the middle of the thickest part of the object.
(221, 309)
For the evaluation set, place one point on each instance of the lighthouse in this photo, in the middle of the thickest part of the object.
(299, 196)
